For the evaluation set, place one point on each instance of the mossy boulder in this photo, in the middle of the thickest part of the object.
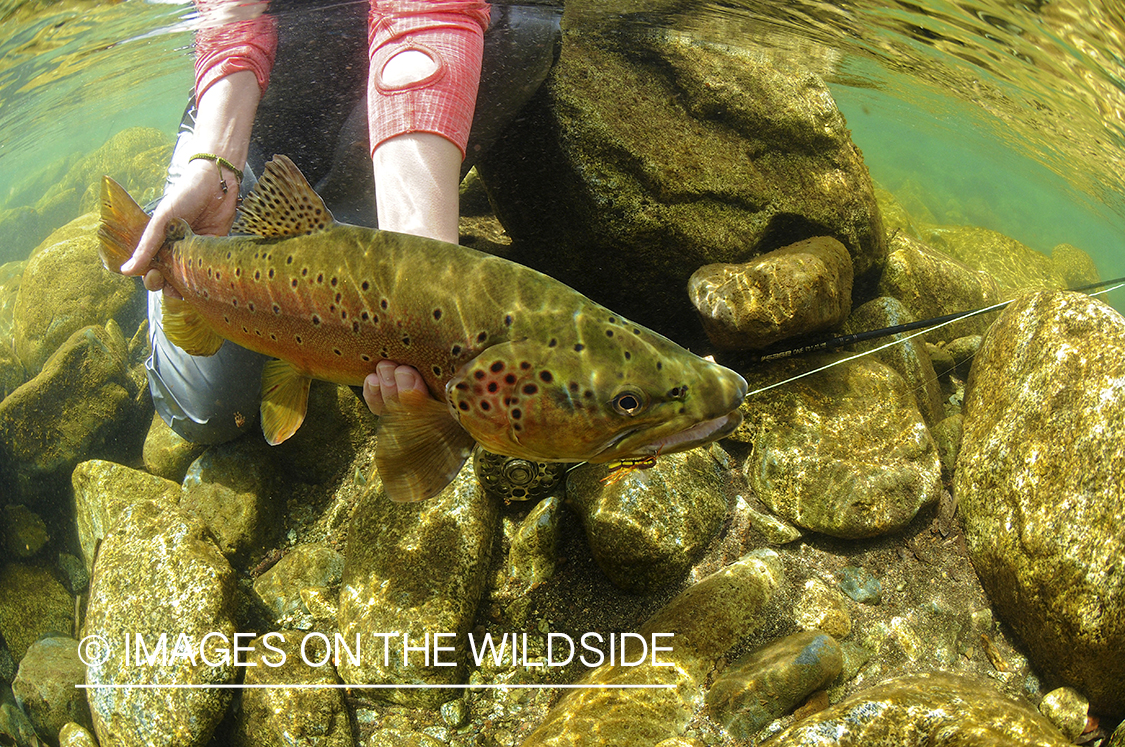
(65, 288)
(1076, 266)
(1016, 267)
(86, 402)
(1041, 490)
(33, 602)
(648, 154)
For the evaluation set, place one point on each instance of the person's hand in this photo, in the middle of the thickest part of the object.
(197, 198)
(389, 379)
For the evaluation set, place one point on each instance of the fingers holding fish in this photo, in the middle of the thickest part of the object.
(389, 379)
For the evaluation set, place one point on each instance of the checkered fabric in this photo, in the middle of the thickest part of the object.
(451, 32)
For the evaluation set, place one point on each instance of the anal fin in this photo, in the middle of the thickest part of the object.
(186, 329)
(285, 396)
(420, 447)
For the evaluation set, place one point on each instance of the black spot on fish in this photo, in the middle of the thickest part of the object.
(525, 365)
(355, 328)
(364, 285)
(338, 297)
(530, 389)
(320, 277)
(332, 308)
(304, 271)
(455, 350)
(579, 347)
(294, 283)
(406, 341)
(463, 405)
(613, 320)
(493, 387)
(547, 377)
(273, 336)
(228, 255)
(510, 379)
(482, 337)
(383, 304)
(496, 367)
(258, 332)
(257, 274)
(508, 320)
(572, 386)
(271, 273)
(289, 260)
(683, 410)
(234, 302)
(485, 406)
(208, 272)
(365, 316)
(609, 333)
(316, 320)
(628, 355)
(250, 306)
(516, 414)
(436, 370)
(588, 394)
(659, 365)
(336, 351)
(437, 314)
(478, 375)
(238, 272)
(334, 281)
(299, 340)
(365, 357)
(517, 427)
(552, 343)
(461, 386)
(226, 318)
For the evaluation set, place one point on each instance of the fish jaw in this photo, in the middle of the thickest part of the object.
(534, 401)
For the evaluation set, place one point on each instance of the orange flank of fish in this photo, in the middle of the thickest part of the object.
(514, 360)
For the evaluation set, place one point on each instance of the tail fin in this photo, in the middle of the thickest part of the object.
(123, 222)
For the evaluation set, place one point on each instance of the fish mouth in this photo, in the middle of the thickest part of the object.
(697, 435)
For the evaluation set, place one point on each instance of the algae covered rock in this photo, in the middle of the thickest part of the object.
(1015, 267)
(620, 181)
(773, 680)
(908, 356)
(1075, 266)
(24, 533)
(922, 710)
(102, 490)
(166, 453)
(844, 452)
(646, 529)
(1040, 486)
(32, 603)
(796, 290)
(82, 404)
(697, 627)
(45, 686)
(158, 574)
(305, 567)
(308, 716)
(930, 284)
(415, 570)
(64, 289)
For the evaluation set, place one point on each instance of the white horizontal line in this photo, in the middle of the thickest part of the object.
(309, 686)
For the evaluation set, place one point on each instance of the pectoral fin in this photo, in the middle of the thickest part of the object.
(420, 447)
(285, 395)
(186, 329)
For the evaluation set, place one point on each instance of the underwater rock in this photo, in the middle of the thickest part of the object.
(773, 680)
(531, 555)
(796, 290)
(1039, 484)
(909, 357)
(75, 735)
(24, 532)
(21, 229)
(158, 573)
(963, 350)
(102, 490)
(1067, 709)
(930, 284)
(822, 608)
(136, 158)
(166, 453)
(1015, 268)
(646, 529)
(418, 569)
(707, 620)
(922, 710)
(64, 289)
(45, 686)
(844, 452)
(291, 717)
(228, 488)
(947, 435)
(11, 275)
(896, 220)
(74, 572)
(1076, 267)
(303, 567)
(859, 584)
(32, 603)
(11, 371)
(81, 405)
(619, 179)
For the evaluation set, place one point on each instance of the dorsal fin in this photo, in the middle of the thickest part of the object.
(282, 204)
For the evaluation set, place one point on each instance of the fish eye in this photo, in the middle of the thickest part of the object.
(629, 402)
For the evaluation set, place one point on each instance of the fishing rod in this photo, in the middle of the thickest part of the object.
(925, 325)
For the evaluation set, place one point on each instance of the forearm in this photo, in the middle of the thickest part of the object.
(225, 117)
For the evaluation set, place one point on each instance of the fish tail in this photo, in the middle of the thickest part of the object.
(123, 222)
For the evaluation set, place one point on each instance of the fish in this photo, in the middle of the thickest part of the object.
(514, 360)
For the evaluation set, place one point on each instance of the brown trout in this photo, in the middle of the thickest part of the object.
(517, 361)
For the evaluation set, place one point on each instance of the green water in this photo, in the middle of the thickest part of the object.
(986, 114)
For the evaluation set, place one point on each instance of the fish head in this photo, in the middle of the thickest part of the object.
(595, 397)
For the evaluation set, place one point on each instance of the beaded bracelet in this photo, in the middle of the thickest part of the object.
(220, 163)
